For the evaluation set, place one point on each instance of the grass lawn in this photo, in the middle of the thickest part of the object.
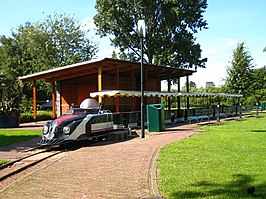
(219, 163)
(3, 162)
(8, 137)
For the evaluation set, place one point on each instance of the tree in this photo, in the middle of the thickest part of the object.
(70, 43)
(44, 45)
(239, 72)
(259, 79)
(10, 90)
(192, 87)
(258, 86)
(34, 47)
(171, 25)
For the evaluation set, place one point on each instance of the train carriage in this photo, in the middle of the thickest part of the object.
(86, 122)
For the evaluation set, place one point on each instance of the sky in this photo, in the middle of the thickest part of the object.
(229, 23)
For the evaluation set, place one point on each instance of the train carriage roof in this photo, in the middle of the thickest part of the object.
(122, 93)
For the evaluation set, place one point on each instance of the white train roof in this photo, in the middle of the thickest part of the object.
(122, 93)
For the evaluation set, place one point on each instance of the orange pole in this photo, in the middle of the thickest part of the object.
(34, 100)
(100, 82)
(53, 100)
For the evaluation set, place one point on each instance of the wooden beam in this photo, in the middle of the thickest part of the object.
(178, 98)
(53, 100)
(117, 80)
(100, 82)
(34, 100)
(66, 76)
(169, 90)
(187, 104)
(158, 85)
(146, 80)
(132, 88)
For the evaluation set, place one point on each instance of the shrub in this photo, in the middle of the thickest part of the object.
(41, 116)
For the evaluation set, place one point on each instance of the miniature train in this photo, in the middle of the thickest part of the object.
(86, 122)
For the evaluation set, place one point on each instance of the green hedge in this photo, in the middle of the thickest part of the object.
(41, 116)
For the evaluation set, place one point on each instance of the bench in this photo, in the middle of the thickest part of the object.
(118, 135)
(246, 110)
(228, 111)
(201, 114)
(198, 118)
(221, 115)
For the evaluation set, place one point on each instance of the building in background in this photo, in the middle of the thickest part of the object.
(209, 84)
(73, 83)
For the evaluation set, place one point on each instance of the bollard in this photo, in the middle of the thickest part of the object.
(218, 113)
(257, 109)
(240, 110)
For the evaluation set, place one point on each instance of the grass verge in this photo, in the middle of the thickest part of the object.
(219, 163)
(3, 162)
(8, 137)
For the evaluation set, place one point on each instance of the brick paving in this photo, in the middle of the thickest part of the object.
(105, 170)
(15, 151)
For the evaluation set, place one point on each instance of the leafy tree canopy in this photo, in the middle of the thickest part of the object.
(10, 89)
(56, 41)
(258, 86)
(171, 25)
(239, 72)
(34, 47)
(192, 87)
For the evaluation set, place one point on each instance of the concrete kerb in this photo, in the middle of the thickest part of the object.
(153, 171)
(154, 191)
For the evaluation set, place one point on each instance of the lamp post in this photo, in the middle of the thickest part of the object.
(142, 33)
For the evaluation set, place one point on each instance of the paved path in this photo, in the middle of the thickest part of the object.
(15, 151)
(109, 170)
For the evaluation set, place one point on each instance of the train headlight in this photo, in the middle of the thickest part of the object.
(66, 130)
(45, 129)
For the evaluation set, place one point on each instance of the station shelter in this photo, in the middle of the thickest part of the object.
(73, 83)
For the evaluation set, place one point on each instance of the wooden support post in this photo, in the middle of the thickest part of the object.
(169, 90)
(145, 86)
(158, 86)
(34, 100)
(132, 88)
(178, 99)
(100, 82)
(187, 108)
(117, 87)
(53, 100)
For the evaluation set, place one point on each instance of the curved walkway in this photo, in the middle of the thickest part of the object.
(105, 170)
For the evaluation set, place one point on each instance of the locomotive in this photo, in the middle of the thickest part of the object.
(88, 121)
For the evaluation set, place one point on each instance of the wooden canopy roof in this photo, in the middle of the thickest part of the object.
(108, 64)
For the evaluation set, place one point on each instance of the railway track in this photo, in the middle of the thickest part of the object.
(38, 155)
(39, 158)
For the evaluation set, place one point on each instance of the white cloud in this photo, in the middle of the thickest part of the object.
(219, 52)
(87, 24)
(105, 48)
(231, 42)
(105, 53)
